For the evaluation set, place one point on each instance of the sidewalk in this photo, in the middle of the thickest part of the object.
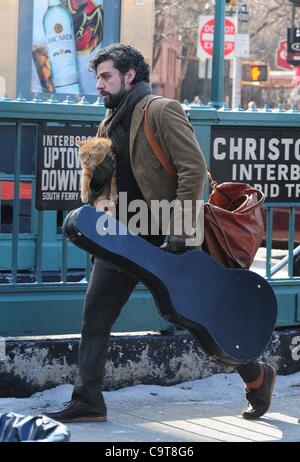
(197, 411)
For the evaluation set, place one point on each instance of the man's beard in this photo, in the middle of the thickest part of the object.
(113, 101)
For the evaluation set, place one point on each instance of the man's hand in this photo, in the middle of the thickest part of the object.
(101, 175)
(174, 244)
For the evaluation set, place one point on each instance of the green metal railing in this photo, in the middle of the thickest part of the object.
(32, 304)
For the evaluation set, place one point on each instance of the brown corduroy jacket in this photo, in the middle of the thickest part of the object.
(176, 137)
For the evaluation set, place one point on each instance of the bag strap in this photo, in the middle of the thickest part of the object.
(169, 168)
(246, 192)
(155, 146)
(157, 149)
(249, 191)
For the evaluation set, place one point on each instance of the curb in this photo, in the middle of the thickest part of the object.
(33, 364)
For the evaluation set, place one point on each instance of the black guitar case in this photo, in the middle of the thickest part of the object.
(230, 312)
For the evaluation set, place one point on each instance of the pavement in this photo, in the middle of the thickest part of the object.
(206, 410)
(192, 422)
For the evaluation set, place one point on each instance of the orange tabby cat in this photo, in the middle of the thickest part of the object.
(92, 152)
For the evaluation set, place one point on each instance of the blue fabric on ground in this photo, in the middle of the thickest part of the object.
(16, 428)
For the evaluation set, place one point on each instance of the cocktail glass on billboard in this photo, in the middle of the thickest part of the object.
(44, 80)
(43, 67)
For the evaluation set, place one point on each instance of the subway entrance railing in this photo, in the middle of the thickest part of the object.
(43, 277)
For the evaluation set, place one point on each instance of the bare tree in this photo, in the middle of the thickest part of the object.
(268, 23)
(178, 18)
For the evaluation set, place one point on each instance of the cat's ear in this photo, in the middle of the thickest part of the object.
(79, 143)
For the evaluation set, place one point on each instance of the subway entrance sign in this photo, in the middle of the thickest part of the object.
(266, 157)
(58, 168)
(254, 71)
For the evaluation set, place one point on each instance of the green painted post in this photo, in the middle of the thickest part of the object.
(16, 204)
(292, 219)
(217, 83)
(64, 265)
(269, 241)
(39, 246)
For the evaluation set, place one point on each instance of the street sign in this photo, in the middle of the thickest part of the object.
(243, 14)
(254, 72)
(281, 55)
(297, 75)
(242, 45)
(293, 46)
(240, 153)
(206, 37)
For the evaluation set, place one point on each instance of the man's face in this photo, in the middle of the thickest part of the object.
(111, 84)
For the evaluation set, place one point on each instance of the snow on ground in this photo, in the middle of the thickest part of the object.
(218, 389)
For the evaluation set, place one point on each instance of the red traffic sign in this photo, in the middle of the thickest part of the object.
(206, 37)
(281, 55)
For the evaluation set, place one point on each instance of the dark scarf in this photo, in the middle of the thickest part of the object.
(114, 117)
(117, 127)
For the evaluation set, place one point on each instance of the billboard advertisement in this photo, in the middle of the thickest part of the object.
(58, 39)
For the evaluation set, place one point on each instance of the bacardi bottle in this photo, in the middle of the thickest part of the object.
(59, 32)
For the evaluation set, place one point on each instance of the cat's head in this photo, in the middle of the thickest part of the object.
(94, 150)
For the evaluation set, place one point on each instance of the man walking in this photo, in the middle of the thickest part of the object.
(123, 82)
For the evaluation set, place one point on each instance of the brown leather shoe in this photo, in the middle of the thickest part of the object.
(78, 411)
(259, 399)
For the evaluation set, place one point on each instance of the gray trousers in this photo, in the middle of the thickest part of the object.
(108, 290)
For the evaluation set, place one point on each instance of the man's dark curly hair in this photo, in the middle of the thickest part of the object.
(124, 57)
